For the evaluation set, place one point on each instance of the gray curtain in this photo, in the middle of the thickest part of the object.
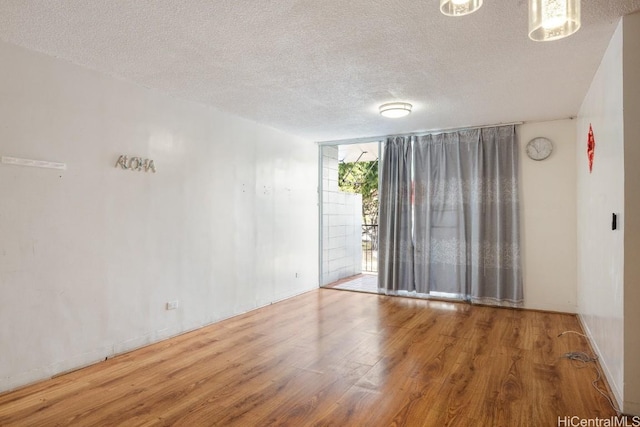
(463, 220)
(395, 220)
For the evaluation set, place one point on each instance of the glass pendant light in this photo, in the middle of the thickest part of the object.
(553, 19)
(459, 7)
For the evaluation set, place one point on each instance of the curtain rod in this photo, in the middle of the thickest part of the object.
(429, 132)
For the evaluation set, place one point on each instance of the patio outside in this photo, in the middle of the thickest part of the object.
(358, 173)
(350, 217)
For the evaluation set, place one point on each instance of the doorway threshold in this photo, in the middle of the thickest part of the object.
(365, 282)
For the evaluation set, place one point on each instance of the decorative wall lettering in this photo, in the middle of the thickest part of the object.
(136, 164)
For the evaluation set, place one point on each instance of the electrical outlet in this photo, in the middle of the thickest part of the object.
(172, 305)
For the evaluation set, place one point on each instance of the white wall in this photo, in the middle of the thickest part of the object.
(601, 193)
(631, 72)
(548, 208)
(89, 256)
(341, 224)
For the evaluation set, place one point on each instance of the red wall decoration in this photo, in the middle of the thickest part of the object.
(591, 147)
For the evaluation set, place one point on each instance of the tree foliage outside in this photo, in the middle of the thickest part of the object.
(362, 178)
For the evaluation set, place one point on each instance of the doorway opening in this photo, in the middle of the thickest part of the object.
(349, 216)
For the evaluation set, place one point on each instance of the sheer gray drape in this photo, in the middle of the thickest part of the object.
(449, 221)
(396, 217)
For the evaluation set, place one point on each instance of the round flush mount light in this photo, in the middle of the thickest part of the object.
(395, 109)
(459, 7)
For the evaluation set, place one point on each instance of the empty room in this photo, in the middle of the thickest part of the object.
(315, 213)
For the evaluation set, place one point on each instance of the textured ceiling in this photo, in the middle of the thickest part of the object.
(319, 69)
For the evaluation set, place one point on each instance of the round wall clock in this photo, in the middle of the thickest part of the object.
(539, 148)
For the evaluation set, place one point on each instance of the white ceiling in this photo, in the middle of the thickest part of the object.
(320, 68)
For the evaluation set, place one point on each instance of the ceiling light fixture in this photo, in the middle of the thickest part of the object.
(395, 109)
(553, 19)
(459, 7)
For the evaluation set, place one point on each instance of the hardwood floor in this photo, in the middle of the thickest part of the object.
(334, 358)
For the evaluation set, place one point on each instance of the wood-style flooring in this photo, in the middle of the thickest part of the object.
(334, 358)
